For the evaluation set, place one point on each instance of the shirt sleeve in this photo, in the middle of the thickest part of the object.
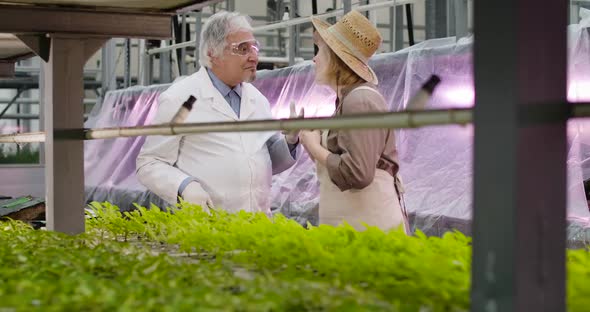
(359, 150)
(281, 154)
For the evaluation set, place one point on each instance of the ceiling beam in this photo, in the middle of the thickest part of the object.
(37, 43)
(89, 22)
(6, 69)
(196, 6)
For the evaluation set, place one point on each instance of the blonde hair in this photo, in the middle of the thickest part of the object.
(338, 72)
(342, 74)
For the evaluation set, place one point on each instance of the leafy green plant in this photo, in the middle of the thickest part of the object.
(25, 155)
(183, 259)
(49, 271)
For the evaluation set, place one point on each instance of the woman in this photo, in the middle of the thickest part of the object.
(357, 169)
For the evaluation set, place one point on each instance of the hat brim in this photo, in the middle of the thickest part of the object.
(359, 67)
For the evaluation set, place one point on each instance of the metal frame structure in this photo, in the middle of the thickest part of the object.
(294, 34)
(65, 37)
(520, 150)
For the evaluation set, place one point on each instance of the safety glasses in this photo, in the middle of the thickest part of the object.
(244, 48)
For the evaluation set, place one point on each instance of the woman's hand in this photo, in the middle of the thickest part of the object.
(311, 141)
(310, 138)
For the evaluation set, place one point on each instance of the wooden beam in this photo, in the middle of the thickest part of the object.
(6, 69)
(64, 158)
(38, 43)
(35, 20)
(199, 5)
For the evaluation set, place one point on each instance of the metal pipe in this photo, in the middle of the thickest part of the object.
(197, 41)
(396, 120)
(410, 24)
(461, 15)
(295, 21)
(346, 5)
(127, 64)
(405, 119)
(181, 62)
(292, 33)
(36, 101)
(272, 59)
(19, 116)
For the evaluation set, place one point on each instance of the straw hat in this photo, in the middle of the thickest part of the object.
(354, 40)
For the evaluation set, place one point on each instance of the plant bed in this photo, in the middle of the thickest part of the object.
(187, 260)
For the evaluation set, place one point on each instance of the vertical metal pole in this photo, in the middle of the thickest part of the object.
(346, 5)
(314, 11)
(127, 65)
(461, 11)
(399, 27)
(519, 216)
(198, 26)
(366, 13)
(293, 33)
(280, 40)
(141, 64)
(574, 12)
(182, 61)
(409, 19)
(451, 17)
(108, 69)
(231, 5)
(42, 108)
(392, 28)
(373, 14)
(436, 18)
(165, 66)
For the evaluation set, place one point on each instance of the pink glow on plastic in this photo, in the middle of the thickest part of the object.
(10, 129)
(578, 90)
(458, 96)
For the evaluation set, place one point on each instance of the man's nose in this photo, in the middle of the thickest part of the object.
(253, 55)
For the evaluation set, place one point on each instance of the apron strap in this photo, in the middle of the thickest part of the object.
(399, 189)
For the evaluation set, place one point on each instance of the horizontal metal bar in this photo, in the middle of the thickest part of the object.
(32, 19)
(19, 116)
(30, 137)
(272, 59)
(338, 12)
(395, 120)
(406, 119)
(36, 101)
(293, 22)
(33, 69)
(580, 109)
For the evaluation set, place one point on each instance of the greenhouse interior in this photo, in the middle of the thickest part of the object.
(471, 131)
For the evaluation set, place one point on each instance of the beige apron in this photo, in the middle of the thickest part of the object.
(376, 205)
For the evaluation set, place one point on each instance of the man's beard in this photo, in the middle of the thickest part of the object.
(250, 77)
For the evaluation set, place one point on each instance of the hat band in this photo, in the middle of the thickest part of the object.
(353, 50)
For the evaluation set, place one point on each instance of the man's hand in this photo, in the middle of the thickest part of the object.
(292, 137)
(195, 194)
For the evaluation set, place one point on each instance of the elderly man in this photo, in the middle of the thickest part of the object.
(232, 171)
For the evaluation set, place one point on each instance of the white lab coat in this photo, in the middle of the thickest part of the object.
(234, 168)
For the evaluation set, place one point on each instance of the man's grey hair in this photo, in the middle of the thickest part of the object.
(216, 30)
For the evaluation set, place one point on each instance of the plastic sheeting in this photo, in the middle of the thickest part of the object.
(436, 162)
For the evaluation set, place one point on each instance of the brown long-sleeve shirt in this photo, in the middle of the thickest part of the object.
(356, 154)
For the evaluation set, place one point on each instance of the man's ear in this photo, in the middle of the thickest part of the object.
(212, 58)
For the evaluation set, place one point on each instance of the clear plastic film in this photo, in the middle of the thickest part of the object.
(436, 162)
